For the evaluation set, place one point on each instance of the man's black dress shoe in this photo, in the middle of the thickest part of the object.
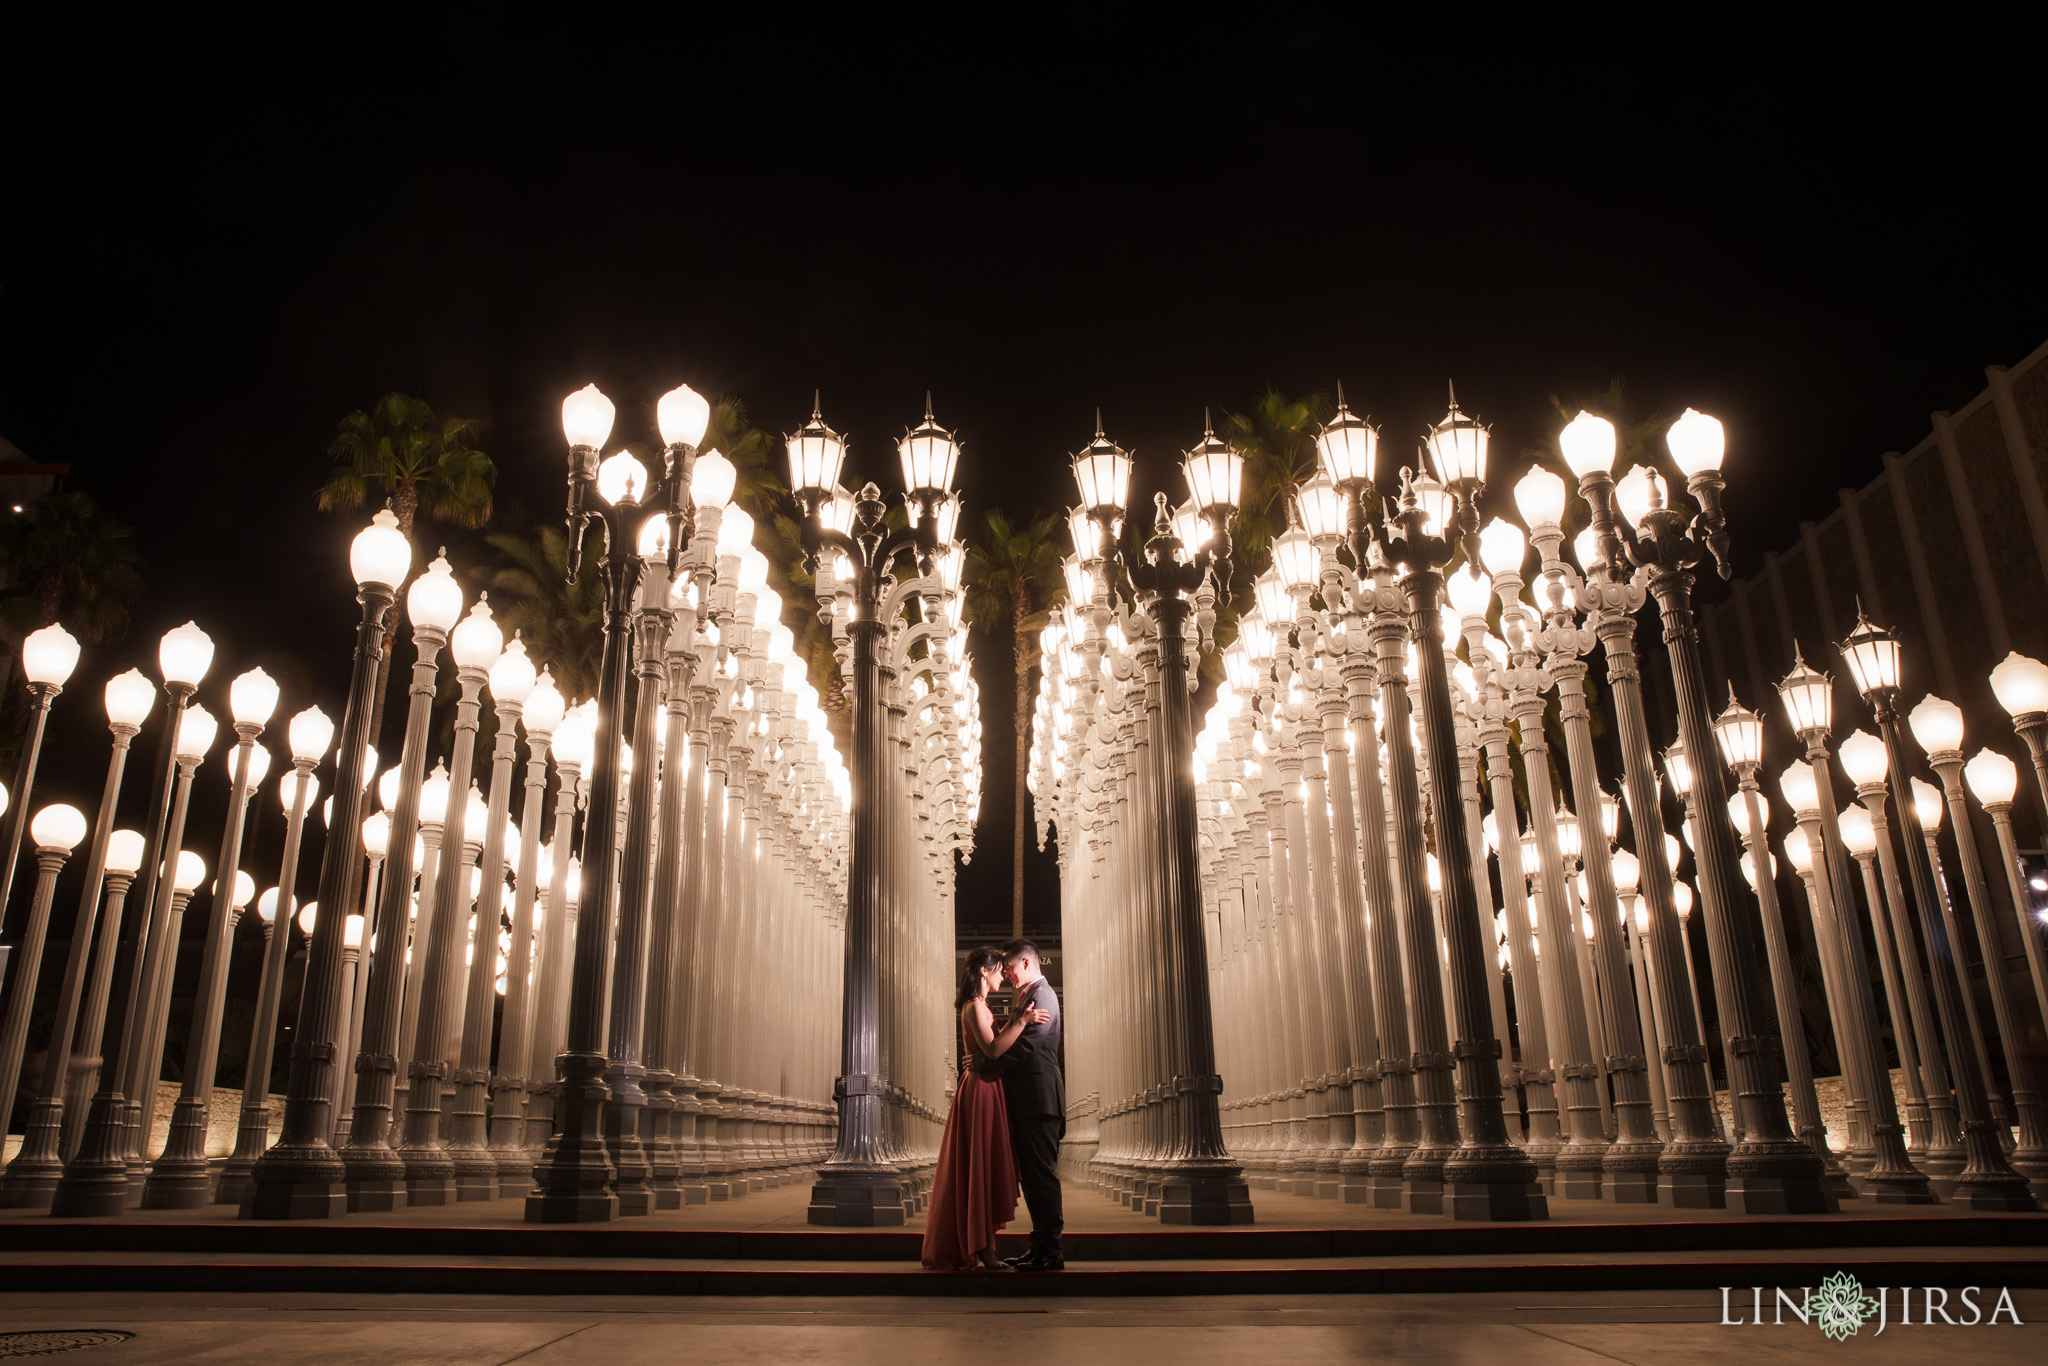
(1039, 1261)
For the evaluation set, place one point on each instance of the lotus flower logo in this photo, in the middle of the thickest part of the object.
(1840, 1306)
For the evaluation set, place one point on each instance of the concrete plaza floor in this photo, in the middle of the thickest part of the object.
(1650, 1328)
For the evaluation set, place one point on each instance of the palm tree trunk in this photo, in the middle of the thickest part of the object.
(1021, 654)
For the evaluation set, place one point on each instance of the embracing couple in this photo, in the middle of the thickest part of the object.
(1009, 1115)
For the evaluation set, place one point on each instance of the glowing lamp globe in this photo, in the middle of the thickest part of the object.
(1348, 448)
(1863, 758)
(125, 849)
(929, 453)
(587, 418)
(1502, 547)
(735, 532)
(621, 478)
(574, 742)
(815, 455)
(1738, 812)
(682, 414)
(1628, 872)
(259, 767)
(1873, 655)
(1927, 802)
(477, 641)
(474, 814)
(1642, 909)
(57, 828)
(352, 932)
(1937, 724)
(1102, 471)
(48, 656)
(266, 906)
(380, 554)
(1539, 497)
(1858, 831)
(191, 874)
(1809, 697)
(1587, 442)
(309, 916)
(1992, 777)
(288, 791)
(129, 698)
(1681, 896)
(2021, 685)
(185, 654)
(512, 676)
(753, 570)
(1796, 785)
(544, 708)
(1469, 595)
(1697, 443)
(544, 869)
(387, 786)
(652, 542)
(434, 797)
(196, 732)
(1740, 734)
(245, 890)
(1633, 494)
(1586, 547)
(434, 600)
(309, 736)
(252, 698)
(1322, 509)
(377, 834)
(768, 602)
(1798, 853)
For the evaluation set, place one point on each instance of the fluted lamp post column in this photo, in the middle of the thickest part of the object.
(56, 830)
(301, 1177)
(574, 1177)
(1987, 1181)
(858, 1185)
(32, 1176)
(1938, 726)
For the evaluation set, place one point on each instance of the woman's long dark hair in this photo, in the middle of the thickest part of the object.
(970, 977)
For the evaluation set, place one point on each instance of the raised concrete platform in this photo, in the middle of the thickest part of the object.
(761, 1246)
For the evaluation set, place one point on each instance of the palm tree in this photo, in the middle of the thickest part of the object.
(1277, 437)
(561, 623)
(68, 561)
(1013, 576)
(401, 451)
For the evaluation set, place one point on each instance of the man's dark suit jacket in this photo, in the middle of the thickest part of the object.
(1033, 1087)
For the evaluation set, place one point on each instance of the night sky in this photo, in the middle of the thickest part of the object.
(209, 251)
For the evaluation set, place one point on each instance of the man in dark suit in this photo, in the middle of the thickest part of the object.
(1035, 1093)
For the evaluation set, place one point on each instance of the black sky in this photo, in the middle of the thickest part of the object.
(216, 241)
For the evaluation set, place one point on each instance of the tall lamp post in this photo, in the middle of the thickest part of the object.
(1199, 1182)
(1987, 1181)
(857, 1184)
(573, 1179)
(1994, 781)
(47, 658)
(1488, 1176)
(301, 1176)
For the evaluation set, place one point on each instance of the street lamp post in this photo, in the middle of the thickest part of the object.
(47, 658)
(1994, 781)
(1987, 1182)
(301, 1177)
(573, 1179)
(540, 716)
(858, 1185)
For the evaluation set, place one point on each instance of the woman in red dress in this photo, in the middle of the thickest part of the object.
(975, 1191)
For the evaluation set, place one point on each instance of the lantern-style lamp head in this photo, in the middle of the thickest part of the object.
(1697, 443)
(311, 732)
(1680, 769)
(587, 418)
(48, 656)
(380, 554)
(1215, 474)
(682, 414)
(815, 454)
(1102, 471)
(1457, 447)
(2021, 685)
(57, 828)
(1297, 562)
(1873, 655)
(1587, 442)
(434, 600)
(544, 706)
(129, 698)
(1322, 509)
(252, 698)
(1740, 733)
(1539, 497)
(621, 478)
(1992, 778)
(1276, 604)
(512, 677)
(196, 731)
(1502, 547)
(125, 849)
(477, 641)
(929, 453)
(1809, 697)
(1937, 724)
(185, 655)
(1348, 447)
(711, 480)
(1863, 758)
